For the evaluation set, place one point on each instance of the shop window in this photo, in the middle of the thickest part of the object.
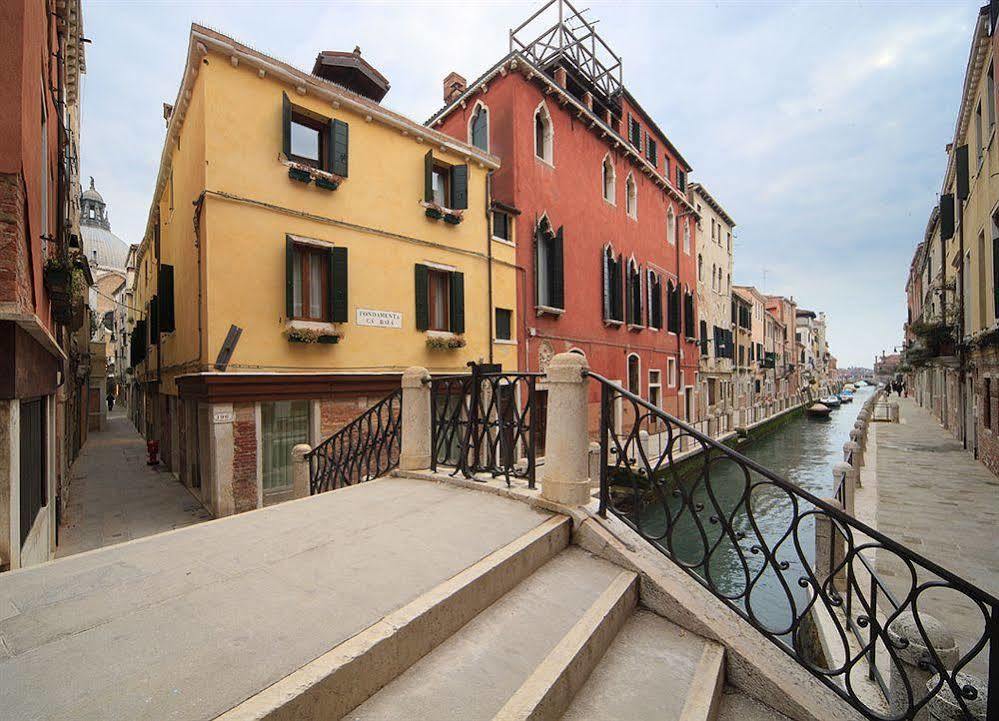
(284, 424)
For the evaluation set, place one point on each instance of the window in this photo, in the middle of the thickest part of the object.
(612, 281)
(978, 133)
(995, 266)
(284, 425)
(651, 149)
(634, 132)
(655, 300)
(686, 236)
(608, 179)
(672, 307)
(543, 134)
(671, 372)
(700, 268)
(681, 180)
(670, 226)
(311, 139)
(634, 374)
(504, 323)
(729, 242)
(631, 196)
(32, 483)
(666, 167)
(501, 225)
(444, 185)
(987, 404)
(549, 290)
(478, 128)
(688, 316)
(311, 280)
(990, 99)
(656, 387)
(440, 299)
(634, 309)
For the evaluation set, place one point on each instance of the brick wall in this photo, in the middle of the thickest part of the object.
(986, 364)
(15, 274)
(335, 414)
(244, 457)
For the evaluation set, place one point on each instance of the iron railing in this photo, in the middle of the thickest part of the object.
(748, 536)
(364, 449)
(486, 422)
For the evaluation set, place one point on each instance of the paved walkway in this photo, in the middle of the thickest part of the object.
(935, 498)
(115, 497)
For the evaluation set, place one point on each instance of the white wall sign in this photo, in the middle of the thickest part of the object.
(222, 417)
(379, 318)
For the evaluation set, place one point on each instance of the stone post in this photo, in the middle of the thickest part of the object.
(415, 451)
(849, 474)
(564, 475)
(944, 707)
(893, 412)
(858, 452)
(829, 548)
(593, 464)
(913, 654)
(300, 470)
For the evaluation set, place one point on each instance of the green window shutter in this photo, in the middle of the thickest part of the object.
(428, 176)
(557, 271)
(338, 285)
(339, 141)
(154, 320)
(289, 274)
(619, 287)
(459, 187)
(422, 298)
(457, 302)
(286, 124)
(166, 310)
(629, 310)
(605, 262)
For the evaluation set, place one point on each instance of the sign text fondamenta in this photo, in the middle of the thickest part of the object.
(379, 318)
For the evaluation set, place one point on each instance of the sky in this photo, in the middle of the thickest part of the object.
(820, 127)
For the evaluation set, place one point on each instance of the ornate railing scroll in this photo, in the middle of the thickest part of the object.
(364, 449)
(485, 422)
(787, 561)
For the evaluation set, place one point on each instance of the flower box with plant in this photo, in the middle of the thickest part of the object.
(327, 184)
(308, 335)
(300, 175)
(306, 173)
(58, 275)
(436, 211)
(453, 342)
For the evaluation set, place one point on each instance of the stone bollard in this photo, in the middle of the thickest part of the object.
(415, 452)
(564, 475)
(593, 464)
(643, 441)
(849, 475)
(829, 545)
(893, 412)
(910, 646)
(944, 707)
(856, 437)
(300, 486)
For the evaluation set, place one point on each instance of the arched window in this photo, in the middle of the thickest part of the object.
(635, 374)
(700, 268)
(478, 127)
(686, 236)
(549, 288)
(608, 179)
(543, 134)
(634, 293)
(670, 227)
(631, 196)
(714, 277)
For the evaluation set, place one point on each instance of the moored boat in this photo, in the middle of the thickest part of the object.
(819, 410)
(831, 401)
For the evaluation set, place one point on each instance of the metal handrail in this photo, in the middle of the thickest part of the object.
(366, 448)
(658, 496)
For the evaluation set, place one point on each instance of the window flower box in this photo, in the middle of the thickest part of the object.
(452, 342)
(326, 183)
(435, 211)
(452, 218)
(306, 174)
(302, 176)
(309, 335)
(58, 276)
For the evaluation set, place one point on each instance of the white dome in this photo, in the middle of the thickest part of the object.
(103, 248)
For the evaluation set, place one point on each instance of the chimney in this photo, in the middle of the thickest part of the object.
(560, 77)
(588, 100)
(454, 85)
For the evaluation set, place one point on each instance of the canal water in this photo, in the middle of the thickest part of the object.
(803, 451)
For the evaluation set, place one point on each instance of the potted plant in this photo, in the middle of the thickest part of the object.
(309, 335)
(452, 218)
(326, 183)
(445, 343)
(434, 213)
(299, 174)
(58, 276)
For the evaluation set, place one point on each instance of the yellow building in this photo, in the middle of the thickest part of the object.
(346, 243)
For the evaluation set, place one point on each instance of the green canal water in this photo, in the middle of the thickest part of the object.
(802, 451)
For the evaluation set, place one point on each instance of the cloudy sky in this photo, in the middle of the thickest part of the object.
(820, 126)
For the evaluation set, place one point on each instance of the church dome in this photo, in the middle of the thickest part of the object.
(103, 248)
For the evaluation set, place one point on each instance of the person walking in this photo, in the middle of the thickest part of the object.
(110, 399)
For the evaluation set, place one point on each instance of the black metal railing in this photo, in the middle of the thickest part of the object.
(486, 422)
(749, 537)
(364, 449)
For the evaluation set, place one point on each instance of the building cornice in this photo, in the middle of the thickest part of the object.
(203, 41)
(516, 62)
(972, 76)
(710, 200)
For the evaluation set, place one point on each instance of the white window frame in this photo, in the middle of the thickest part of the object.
(657, 384)
(606, 163)
(627, 373)
(686, 236)
(671, 372)
(671, 226)
(547, 154)
(631, 196)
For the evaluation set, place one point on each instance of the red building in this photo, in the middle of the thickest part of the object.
(592, 193)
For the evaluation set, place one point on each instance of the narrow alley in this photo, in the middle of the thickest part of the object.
(115, 497)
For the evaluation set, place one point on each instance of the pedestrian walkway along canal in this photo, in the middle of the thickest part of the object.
(803, 451)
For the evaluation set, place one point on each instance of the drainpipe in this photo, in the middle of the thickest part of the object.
(962, 411)
(489, 263)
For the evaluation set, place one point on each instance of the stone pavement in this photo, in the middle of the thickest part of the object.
(935, 498)
(114, 496)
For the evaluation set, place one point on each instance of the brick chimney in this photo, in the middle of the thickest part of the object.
(454, 85)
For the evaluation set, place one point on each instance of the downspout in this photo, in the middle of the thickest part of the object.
(489, 263)
(962, 411)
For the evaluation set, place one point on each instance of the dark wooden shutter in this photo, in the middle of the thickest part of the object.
(154, 320)
(422, 298)
(457, 302)
(339, 141)
(629, 303)
(286, 124)
(338, 285)
(459, 186)
(428, 176)
(557, 271)
(289, 278)
(165, 287)
(963, 179)
(620, 285)
(947, 216)
(605, 273)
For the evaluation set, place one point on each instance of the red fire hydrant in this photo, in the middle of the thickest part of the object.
(153, 449)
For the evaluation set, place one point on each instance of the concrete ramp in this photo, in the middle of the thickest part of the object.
(190, 623)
